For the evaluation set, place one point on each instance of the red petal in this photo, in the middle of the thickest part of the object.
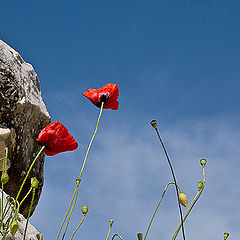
(94, 95)
(57, 139)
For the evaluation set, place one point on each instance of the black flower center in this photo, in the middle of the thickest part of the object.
(104, 98)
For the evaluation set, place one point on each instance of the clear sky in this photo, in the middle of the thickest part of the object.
(174, 61)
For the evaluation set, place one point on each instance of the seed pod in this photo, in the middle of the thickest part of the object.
(226, 235)
(34, 182)
(84, 209)
(200, 185)
(111, 222)
(140, 236)
(4, 178)
(13, 227)
(154, 123)
(183, 199)
(203, 162)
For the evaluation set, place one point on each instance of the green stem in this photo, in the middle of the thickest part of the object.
(66, 213)
(29, 172)
(2, 203)
(25, 196)
(75, 200)
(191, 206)
(79, 178)
(109, 231)
(174, 178)
(5, 160)
(89, 146)
(3, 171)
(117, 236)
(29, 212)
(78, 226)
(158, 207)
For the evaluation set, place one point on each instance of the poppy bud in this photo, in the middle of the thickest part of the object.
(78, 180)
(200, 185)
(140, 236)
(13, 227)
(84, 209)
(154, 123)
(34, 182)
(203, 162)
(226, 235)
(111, 222)
(4, 178)
(183, 199)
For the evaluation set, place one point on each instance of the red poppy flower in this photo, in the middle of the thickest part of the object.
(56, 139)
(107, 94)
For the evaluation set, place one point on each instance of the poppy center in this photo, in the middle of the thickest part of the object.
(104, 98)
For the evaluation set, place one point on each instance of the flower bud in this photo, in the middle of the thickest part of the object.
(203, 162)
(200, 185)
(84, 209)
(111, 222)
(140, 236)
(183, 199)
(4, 178)
(13, 227)
(226, 235)
(154, 123)
(34, 182)
(78, 180)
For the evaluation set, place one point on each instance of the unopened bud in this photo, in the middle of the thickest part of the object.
(13, 227)
(200, 185)
(154, 123)
(140, 236)
(78, 180)
(34, 182)
(111, 222)
(4, 178)
(183, 199)
(84, 209)
(203, 162)
(226, 235)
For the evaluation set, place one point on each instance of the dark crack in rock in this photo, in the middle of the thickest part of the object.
(22, 114)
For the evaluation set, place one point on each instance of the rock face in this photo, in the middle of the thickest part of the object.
(31, 234)
(22, 116)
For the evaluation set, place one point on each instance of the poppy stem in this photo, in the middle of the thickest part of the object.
(110, 227)
(117, 236)
(89, 146)
(79, 179)
(29, 212)
(200, 190)
(174, 178)
(78, 226)
(66, 213)
(29, 172)
(158, 207)
(75, 200)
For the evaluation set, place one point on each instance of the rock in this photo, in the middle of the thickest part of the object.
(22, 116)
(32, 232)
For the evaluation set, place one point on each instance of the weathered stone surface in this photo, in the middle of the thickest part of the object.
(22, 116)
(31, 234)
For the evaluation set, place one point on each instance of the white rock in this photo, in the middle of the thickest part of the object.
(24, 114)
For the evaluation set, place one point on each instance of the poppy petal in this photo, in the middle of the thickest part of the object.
(96, 95)
(56, 139)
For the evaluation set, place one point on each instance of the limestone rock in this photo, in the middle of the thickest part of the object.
(22, 116)
(31, 234)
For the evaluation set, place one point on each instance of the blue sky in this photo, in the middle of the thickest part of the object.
(174, 61)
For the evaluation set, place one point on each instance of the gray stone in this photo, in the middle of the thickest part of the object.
(31, 234)
(22, 116)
